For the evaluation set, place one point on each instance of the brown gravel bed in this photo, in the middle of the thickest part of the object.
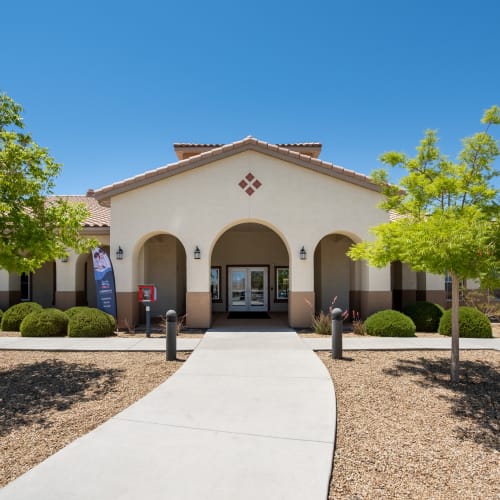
(49, 399)
(405, 432)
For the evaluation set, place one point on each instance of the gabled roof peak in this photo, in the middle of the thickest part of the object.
(185, 150)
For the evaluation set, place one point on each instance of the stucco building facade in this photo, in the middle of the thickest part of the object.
(247, 226)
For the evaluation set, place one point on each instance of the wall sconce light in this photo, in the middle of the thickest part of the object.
(119, 253)
(303, 254)
(197, 253)
(65, 258)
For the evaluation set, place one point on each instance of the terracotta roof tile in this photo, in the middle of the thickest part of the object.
(99, 215)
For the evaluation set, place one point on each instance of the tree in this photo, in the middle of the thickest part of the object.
(35, 227)
(447, 215)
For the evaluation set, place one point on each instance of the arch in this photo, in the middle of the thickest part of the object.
(159, 258)
(249, 220)
(255, 255)
(336, 275)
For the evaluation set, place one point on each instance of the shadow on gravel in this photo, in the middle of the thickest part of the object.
(476, 399)
(28, 392)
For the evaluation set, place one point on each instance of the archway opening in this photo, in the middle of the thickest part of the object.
(162, 262)
(336, 276)
(249, 272)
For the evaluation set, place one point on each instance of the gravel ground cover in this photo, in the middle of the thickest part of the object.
(49, 399)
(405, 432)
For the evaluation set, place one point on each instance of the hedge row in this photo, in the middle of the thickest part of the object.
(33, 321)
(427, 317)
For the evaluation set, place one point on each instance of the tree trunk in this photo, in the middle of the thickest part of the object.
(455, 334)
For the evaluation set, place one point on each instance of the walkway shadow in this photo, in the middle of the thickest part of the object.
(475, 399)
(28, 392)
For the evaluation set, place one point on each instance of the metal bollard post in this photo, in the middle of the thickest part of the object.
(337, 328)
(171, 344)
(148, 320)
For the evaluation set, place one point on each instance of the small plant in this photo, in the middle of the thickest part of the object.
(390, 323)
(45, 323)
(13, 316)
(181, 321)
(322, 323)
(358, 325)
(471, 323)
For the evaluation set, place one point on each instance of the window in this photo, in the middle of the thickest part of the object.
(215, 284)
(447, 288)
(281, 284)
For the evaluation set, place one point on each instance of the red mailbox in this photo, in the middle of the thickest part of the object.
(147, 293)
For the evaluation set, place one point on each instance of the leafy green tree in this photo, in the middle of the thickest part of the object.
(35, 227)
(447, 215)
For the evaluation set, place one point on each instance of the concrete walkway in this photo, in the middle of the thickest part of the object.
(94, 344)
(401, 343)
(248, 416)
(187, 344)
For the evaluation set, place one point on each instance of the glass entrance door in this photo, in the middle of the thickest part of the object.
(247, 289)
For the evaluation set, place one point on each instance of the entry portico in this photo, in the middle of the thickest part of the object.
(247, 227)
(272, 224)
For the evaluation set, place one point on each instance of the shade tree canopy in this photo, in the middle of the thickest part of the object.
(446, 216)
(35, 227)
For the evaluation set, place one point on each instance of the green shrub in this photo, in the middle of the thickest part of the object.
(471, 322)
(77, 309)
(390, 323)
(425, 315)
(13, 316)
(1, 314)
(45, 323)
(90, 323)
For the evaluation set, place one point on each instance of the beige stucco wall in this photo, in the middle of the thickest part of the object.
(198, 206)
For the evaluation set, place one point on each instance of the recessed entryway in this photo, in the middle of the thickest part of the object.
(247, 288)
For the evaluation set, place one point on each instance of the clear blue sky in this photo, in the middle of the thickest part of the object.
(109, 86)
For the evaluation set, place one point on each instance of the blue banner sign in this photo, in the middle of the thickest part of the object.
(104, 282)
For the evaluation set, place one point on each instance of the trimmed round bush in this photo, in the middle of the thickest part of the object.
(77, 309)
(472, 323)
(13, 316)
(390, 323)
(425, 315)
(90, 323)
(45, 323)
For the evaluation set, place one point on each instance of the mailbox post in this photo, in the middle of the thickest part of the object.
(147, 294)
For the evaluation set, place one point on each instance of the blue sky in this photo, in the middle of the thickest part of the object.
(109, 86)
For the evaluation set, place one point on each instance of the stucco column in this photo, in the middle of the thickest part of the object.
(66, 294)
(435, 291)
(375, 293)
(127, 304)
(4, 289)
(301, 293)
(198, 298)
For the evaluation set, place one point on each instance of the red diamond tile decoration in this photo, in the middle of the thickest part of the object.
(250, 185)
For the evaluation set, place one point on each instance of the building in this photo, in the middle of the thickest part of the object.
(247, 226)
